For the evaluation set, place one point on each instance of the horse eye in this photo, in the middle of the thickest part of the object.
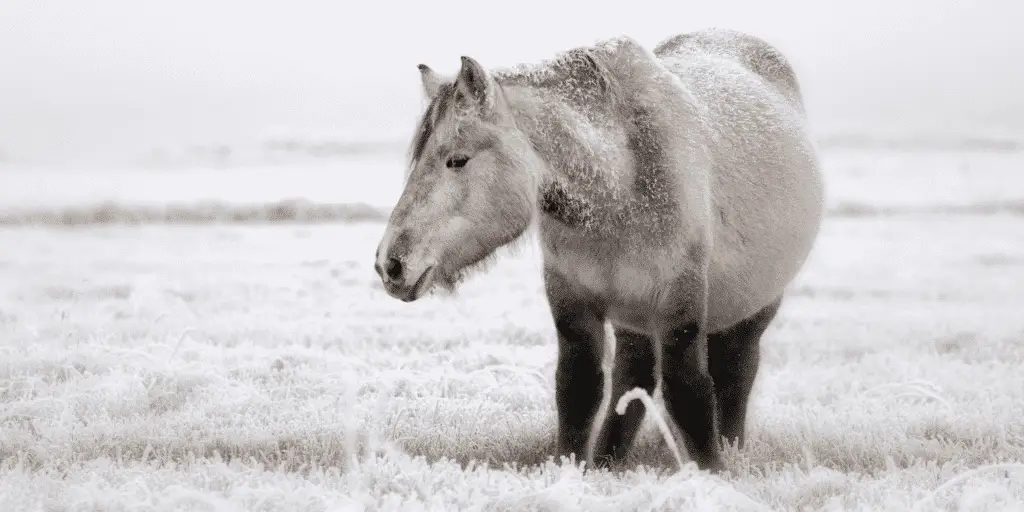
(457, 162)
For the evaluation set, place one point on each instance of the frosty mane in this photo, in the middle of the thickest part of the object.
(577, 76)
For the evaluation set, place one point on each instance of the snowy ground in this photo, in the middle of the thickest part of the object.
(263, 368)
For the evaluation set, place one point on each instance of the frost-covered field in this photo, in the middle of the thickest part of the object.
(262, 367)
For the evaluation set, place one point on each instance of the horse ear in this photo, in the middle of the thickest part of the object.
(475, 82)
(431, 80)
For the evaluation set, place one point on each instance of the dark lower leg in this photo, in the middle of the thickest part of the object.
(579, 379)
(690, 394)
(633, 367)
(732, 394)
(579, 390)
(734, 357)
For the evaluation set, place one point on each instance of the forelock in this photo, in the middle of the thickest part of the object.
(440, 106)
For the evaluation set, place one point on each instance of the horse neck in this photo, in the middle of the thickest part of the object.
(579, 167)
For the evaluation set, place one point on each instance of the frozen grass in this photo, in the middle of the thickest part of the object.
(263, 368)
(239, 354)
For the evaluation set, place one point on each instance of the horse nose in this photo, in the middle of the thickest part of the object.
(377, 264)
(393, 269)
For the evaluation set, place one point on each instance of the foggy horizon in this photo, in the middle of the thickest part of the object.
(118, 79)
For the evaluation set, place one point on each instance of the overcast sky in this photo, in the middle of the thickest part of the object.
(85, 78)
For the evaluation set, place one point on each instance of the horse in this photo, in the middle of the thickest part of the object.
(676, 194)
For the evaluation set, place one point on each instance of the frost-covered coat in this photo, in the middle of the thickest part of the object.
(656, 158)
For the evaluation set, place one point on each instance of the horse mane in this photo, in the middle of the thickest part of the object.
(578, 76)
(584, 79)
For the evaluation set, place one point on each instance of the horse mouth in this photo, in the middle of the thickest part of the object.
(422, 285)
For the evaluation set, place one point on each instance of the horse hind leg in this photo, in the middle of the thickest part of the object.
(633, 367)
(733, 360)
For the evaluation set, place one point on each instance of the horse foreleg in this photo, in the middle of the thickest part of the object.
(579, 378)
(633, 367)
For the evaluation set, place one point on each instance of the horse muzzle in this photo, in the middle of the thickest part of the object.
(402, 280)
(406, 286)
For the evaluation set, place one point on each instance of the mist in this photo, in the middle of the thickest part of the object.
(116, 80)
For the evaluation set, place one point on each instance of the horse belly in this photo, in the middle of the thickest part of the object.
(767, 195)
(752, 263)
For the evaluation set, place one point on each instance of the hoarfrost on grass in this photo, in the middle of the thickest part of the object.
(264, 368)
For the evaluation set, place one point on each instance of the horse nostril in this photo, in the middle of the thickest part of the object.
(393, 268)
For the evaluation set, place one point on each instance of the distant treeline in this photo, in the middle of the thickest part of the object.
(296, 149)
(303, 211)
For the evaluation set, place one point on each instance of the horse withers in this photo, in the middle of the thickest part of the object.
(676, 194)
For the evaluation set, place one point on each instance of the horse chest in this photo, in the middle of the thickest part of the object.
(631, 292)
